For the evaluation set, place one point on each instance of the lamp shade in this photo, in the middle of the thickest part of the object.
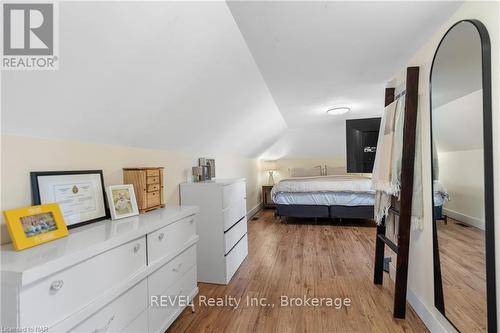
(269, 165)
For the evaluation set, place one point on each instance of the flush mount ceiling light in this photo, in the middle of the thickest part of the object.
(338, 110)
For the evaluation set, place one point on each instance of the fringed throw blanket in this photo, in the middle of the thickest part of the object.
(387, 167)
(382, 167)
(381, 177)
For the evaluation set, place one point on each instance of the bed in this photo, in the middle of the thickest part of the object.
(339, 196)
(440, 197)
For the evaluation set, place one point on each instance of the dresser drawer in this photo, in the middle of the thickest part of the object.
(236, 257)
(171, 238)
(233, 193)
(234, 234)
(153, 187)
(234, 213)
(45, 302)
(152, 180)
(139, 324)
(118, 314)
(153, 173)
(171, 272)
(161, 316)
(153, 198)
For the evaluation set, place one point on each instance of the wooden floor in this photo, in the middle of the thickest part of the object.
(297, 259)
(463, 269)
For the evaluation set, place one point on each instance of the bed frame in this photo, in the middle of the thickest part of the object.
(314, 211)
(342, 212)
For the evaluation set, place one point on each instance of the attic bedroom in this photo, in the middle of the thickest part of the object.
(249, 166)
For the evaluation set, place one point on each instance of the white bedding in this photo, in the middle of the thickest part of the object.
(340, 190)
(325, 198)
(350, 199)
(339, 183)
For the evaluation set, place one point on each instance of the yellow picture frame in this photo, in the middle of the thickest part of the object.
(31, 226)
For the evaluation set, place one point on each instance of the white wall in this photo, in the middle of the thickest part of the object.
(458, 136)
(309, 143)
(458, 125)
(20, 155)
(462, 174)
(307, 148)
(283, 166)
(420, 275)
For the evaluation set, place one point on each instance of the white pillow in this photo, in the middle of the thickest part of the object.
(305, 172)
(334, 170)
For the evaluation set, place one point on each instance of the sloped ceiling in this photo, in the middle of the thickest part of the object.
(317, 55)
(175, 75)
(187, 75)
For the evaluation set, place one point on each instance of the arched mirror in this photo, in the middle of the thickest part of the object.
(463, 236)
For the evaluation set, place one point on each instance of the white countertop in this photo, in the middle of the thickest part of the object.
(26, 266)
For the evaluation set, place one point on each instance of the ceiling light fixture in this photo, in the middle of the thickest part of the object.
(337, 111)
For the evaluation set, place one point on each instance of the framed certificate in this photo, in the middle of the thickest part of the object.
(80, 194)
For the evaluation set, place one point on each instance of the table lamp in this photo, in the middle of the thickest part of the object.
(270, 166)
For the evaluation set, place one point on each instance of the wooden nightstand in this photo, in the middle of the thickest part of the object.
(267, 201)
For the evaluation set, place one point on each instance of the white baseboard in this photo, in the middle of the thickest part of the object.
(429, 318)
(470, 220)
(254, 211)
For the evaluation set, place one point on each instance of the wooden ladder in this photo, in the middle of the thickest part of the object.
(404, 210)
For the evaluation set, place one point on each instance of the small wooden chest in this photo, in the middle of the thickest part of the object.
(148, 186)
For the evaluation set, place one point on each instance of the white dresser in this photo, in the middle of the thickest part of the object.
(104, 276)
(222, 226)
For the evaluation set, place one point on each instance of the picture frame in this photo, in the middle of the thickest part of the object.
(31, 226)
(80, 193)
(122, 201)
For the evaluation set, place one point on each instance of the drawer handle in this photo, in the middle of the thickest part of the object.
(178, 267)
(161, 236)
(106, 327)
(137, 247)
(56, 285)
(191, 221)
